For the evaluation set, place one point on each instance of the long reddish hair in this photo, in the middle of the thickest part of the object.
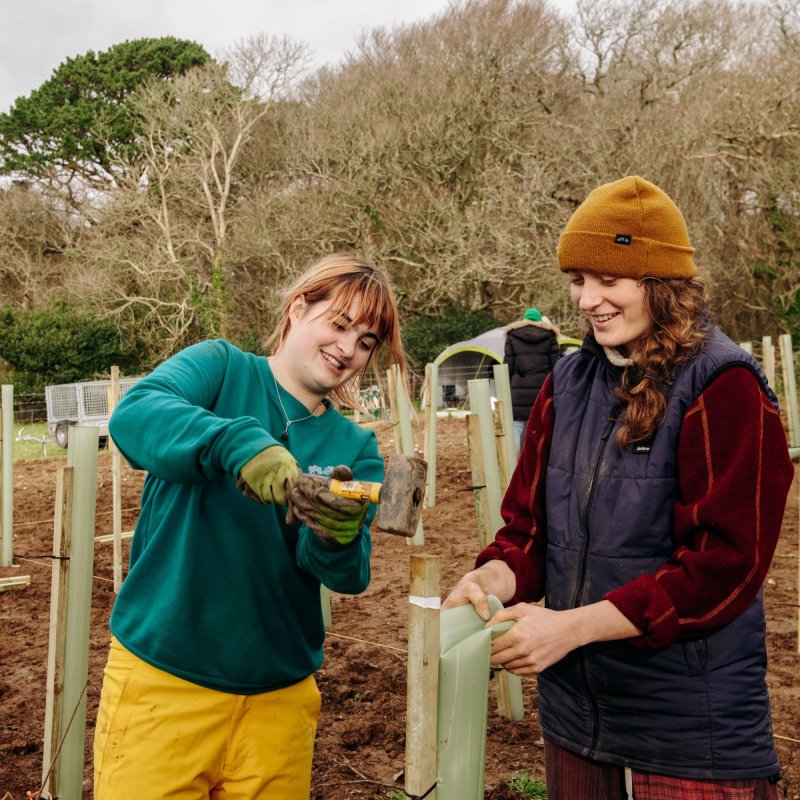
(345, 278)
(678, 308)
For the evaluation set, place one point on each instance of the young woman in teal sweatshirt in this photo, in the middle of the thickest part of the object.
(217, 629)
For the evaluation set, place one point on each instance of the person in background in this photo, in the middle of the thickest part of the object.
(531, 351)
(645, 509)
(209, 688)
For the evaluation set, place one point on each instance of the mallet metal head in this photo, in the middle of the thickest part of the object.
(402, 495)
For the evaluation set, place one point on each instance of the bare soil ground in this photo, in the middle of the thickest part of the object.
(361, 739)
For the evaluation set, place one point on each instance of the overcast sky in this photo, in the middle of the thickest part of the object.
(38, 35)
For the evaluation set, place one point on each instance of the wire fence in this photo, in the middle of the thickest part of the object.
(29, 408)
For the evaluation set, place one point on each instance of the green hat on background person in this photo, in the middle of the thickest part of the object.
(533, 315)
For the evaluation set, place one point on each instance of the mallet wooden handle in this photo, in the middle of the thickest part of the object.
(358, 490)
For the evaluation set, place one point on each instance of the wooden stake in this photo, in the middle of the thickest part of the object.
(500, 441)
(82, 455)
(502, 388)
(423, 676)
(109, 537)
(479, 491)
(480, 404)
(15, 582)
(7, 476)
(768, 359)
(404, 414)
(429, 448)
(391, 384)
(116, 483)
(790, 389)
(54, 696)
(509, 695)
(404, 437)
(383, 391)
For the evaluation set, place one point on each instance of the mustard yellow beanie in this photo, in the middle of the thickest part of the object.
(628, 228)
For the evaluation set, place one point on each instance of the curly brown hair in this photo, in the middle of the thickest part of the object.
(678, 308)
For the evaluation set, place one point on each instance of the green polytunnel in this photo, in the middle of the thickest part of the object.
(462, 362)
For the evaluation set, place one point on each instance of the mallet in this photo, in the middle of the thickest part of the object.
(400, 495)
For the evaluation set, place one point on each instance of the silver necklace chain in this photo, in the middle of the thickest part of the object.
(284, 437)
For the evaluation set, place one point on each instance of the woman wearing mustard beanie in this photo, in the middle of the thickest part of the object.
(645, 509)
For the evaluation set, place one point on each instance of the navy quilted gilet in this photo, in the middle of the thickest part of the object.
(694, 709)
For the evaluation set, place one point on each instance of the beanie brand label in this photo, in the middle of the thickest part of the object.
(623, 238)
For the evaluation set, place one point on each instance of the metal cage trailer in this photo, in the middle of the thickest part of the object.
(80, 404)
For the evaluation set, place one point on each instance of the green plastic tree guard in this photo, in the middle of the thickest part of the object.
(465, 652)
(82, 456)
(325, 602)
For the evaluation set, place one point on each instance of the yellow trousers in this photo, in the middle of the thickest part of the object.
(160, 736)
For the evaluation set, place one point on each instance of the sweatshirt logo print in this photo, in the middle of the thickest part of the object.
(321, 472)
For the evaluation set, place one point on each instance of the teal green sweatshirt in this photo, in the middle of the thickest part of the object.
(221, 591)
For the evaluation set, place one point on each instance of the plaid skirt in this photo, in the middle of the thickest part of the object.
(573, 777)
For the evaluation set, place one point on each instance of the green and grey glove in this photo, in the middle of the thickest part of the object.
(336, 520)
(269, 475)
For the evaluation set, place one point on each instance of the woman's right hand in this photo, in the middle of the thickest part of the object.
(493, 577)
(466, 591)
(269, 476)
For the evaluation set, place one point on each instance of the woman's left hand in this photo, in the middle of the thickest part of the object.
(539, 638)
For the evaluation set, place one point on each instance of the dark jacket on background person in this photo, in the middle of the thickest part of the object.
(531, 351)
(683, 561)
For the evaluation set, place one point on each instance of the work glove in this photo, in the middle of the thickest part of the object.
(269, 475)
(336, 520)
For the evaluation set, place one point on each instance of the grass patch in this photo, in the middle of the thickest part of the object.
(526, 786)
(29, 449)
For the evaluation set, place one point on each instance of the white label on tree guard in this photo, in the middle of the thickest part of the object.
(425, 602)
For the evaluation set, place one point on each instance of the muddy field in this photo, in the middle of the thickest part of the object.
(361, 738)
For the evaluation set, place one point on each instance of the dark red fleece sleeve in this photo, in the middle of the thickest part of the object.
(522, 541)
(734, 474)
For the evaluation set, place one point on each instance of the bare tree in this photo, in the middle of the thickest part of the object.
(33, 237)
(425, 151)
(453, 151)
(172, 270)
